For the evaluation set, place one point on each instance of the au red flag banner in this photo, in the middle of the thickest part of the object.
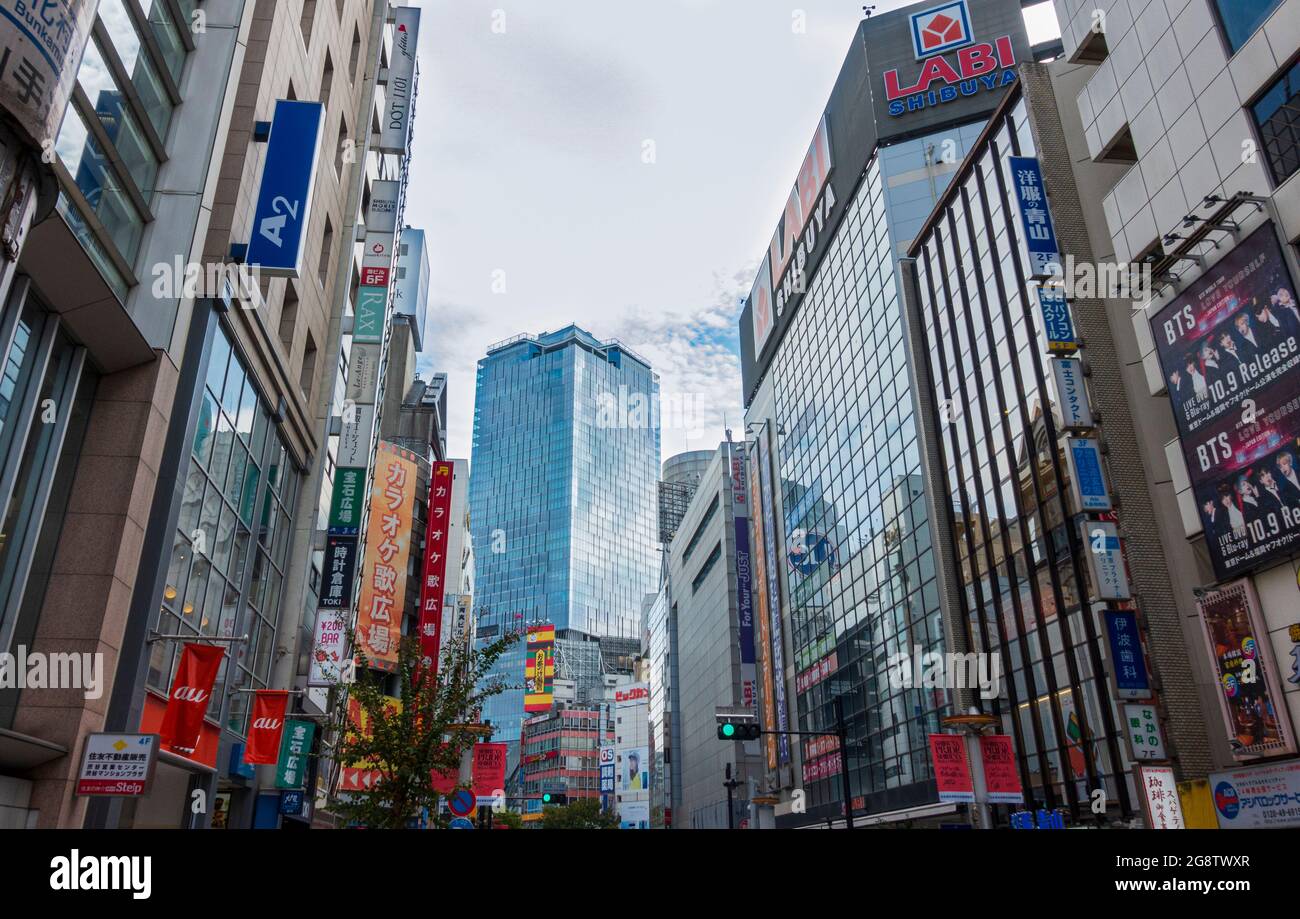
(191, 692)
(266, 729)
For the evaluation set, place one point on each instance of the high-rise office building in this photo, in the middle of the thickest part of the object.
(844, 569)
(563, 507)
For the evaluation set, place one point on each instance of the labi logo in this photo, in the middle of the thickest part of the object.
(941, 28)
(103, 872)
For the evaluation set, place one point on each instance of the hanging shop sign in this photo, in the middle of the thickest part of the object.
(1087, 475)
(1026, 177)
(117, 765)
(1160, 802)
(1146, 742)
(399, 94)
(1076, 410)
(1101, 546)
(388, 547)
(1127, 658)
(295, 751)
(284, 198)
(433, 586)
(1058, 322)
(539, 670)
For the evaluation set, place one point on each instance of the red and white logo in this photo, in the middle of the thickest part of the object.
(941, 28)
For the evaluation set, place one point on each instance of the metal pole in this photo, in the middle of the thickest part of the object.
(731, 814)
(843, 734)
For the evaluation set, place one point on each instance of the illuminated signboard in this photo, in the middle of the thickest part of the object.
(974, 68)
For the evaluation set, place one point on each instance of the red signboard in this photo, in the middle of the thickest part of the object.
(433, 585)
(951, 770)
(266, 729)
(374, 277)
(191, 693)
(1001, 777)
(489, 768)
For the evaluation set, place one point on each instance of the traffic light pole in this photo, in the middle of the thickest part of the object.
(731, 785)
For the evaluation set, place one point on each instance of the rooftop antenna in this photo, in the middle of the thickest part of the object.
(868, 10)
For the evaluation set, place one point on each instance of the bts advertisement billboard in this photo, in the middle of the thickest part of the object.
(1229, 350)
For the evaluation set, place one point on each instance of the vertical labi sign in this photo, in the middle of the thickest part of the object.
(41, 45)
(433, 587)
(400, 91)
(283, 213)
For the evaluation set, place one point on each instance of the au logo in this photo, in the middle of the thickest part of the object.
(941, 28)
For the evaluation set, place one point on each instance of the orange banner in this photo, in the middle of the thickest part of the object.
(388, 546)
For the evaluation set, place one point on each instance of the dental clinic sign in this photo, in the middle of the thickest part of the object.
(953, 64)
(41, 43)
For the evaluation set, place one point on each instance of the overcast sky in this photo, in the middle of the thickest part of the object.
(530, 176)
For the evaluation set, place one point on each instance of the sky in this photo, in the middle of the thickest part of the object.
(618, 164)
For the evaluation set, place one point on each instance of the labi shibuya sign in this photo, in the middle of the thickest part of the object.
(953, 64)
(41, 44)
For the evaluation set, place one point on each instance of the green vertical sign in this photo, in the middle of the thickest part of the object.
(347, 501)
(291, 770)
(368, 323)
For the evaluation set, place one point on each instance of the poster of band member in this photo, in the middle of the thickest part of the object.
(1229, 348)
(1244, 668)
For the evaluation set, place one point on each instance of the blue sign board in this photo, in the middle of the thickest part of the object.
(288, 180)
(291, 803)
(1058, 323)
(237, 765)
(1035, 218)
(1089, 479)
(1126, 655)
(461, 823)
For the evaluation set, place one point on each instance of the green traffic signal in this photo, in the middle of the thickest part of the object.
(546, 799)
(728, 730)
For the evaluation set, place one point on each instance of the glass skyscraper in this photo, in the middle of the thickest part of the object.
(563, 502)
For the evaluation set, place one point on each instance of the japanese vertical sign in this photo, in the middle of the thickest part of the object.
(340, 569)
(388, 547)
(1126, 656)
(433, 587)
(1160, 801)
(41, 45)
(1249, 695)
(768, 498)
(291, 770)
(1058, 322)
(1035, 217)
(539, 670)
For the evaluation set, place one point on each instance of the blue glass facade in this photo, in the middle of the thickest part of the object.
(563, 501)
(850, 471)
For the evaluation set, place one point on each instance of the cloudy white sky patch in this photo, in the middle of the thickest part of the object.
(616, 164)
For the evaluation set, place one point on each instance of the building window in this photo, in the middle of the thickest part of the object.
(98, 180)
(168, 36)
(699, 530)
(1240, 18)
(707, 567)
(1277, 115)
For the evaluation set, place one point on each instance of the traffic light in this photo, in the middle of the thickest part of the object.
(738, 727)
(549, 798)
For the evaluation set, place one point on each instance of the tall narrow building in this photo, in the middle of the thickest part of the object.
(563, 504)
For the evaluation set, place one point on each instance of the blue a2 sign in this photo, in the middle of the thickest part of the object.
(288, 180)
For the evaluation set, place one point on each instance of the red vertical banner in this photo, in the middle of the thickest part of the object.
(266, 728)
(191, 692)
(433, 586)
(1001, 777)
(951, 770)
(489, 768)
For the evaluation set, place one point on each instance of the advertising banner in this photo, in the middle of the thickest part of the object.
(266, 727)
(767, 708)
(951, 770)
(190, 695)
(1026, 175)
(489, 768)
(1250, 698)
(744, 585)
(1102, 548)
(1087, 476)
(363, 373)
(433, 585)
(1076, 410)
(635, 770)
(117, 765)
(368, 320)
(328, 653)
(399, 94)
(539, 670)
(41, 45)
(1259, 797)
(288, 183)
(354, 436)
(608, 768)
(768, 498)
(1229, 349)
(1058, 322)
(388, 547)
(295, 750)
(1001, 777)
